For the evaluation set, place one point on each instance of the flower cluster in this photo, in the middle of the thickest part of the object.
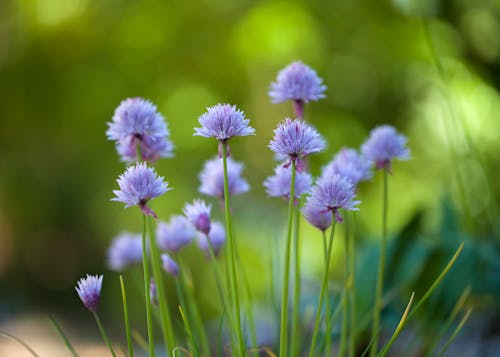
(212, 178)
(279, 184)
(384, 145)
(349, 163)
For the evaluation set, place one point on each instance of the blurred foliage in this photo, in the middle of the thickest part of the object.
(431, 68)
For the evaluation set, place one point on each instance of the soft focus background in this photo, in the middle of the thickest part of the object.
(430, 68)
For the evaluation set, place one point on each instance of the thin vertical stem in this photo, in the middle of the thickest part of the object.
(125, 317)
(324, 286)
(231, 255)
(62, 335)
(295, 340)
(351, 283)
(286, 273)
(183, 308)
(380, 276)
(103, 333)
(147, 281)
(345, 294)
(328, 320)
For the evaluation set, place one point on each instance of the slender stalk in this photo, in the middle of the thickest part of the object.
(185, 319)
(62, 335)
(328, 320)
(286, 273)
(324, 286)
(295, 340)
(380, 276)
(103, 333)
(166, 321)
(232, 256)
(125, 316)
(455, 333)
(345, 293)
(18, 340)
(351, 284)
(147, 281)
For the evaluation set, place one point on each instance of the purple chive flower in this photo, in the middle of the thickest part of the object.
(296, 139)
(138, 185)
(175, 234)
(278, 185)
(170, 265)
(349, 163)
(212, 178)
(217, 237)
(299, 83)
(385, 144)
(89, 290)
(198, 214)
(222, 122)
(331, 193)
(319, 218)
(136, 122)
(124, 251)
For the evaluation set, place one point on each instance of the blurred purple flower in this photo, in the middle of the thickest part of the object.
(278, 185)
(153, 293)
(296, 139)
(212, 178)
(170, 265)
(349, 163)
(318, 217)
(124, 251)
(89, 290)
(138, 185)
(175, 234)
(198, 214)
(217, 237)
(384, 145)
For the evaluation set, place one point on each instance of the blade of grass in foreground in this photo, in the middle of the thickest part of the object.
(18, 340)
(455, 333)
(63, 337)
(125, 316)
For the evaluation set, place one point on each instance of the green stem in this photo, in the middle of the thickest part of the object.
(166, 321)
(455, 333)
(328, 319)
(286, 273)
(295, 340)
(351, 286)
(345, 305)
(231, 256)
(380, 276)
(103, 333)
(147, 281)
(62, 335)
(324, 286)
(125, 316)
(183, 309)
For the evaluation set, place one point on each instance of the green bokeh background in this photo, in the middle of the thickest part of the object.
(66, 64)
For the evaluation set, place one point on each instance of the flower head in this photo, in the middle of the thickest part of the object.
(198, 214)
(89, 290)
(212, 178)
(125, 250)
(170, 265)
(384, 145)
(278, 185)
(349, 163)
(138, 185)
(296, 139)
(175, 234)
(217, 237)
(136, 122)
(331, 193)
(318, 217)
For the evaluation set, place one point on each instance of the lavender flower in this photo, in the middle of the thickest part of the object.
(198, 214)
(278, 185)
(296, 139)
(170, 265)
(138, 185)
(349, 163)
(319, 218)
(299, 83)
(212, 178)
(175, 234)
(125, 250)
(217, 237)
(137, 122)
(331, 193)
(89, 290)
(222, 122)
(384, 145)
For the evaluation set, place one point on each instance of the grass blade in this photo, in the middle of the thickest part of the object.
(63, 337)
(455, 333)
(18, 340)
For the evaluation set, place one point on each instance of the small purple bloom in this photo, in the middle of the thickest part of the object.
(175, 234)
(349, 163)
(318, 217)
(217, 237)
(278, 185)
(385, 144)
(296, 139)
(212, 178)
(124, 251)
(138, 185)
(331, 193)
(89, 290)
(136, 122)
(198, 214)
(170, 265)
